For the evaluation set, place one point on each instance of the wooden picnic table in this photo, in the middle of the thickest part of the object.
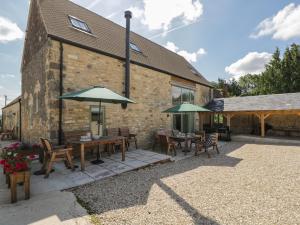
(105, 140)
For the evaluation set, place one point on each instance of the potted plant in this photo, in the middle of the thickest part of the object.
(17, 170)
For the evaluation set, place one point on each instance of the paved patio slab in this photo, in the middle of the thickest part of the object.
(63, 178)
(59, 208)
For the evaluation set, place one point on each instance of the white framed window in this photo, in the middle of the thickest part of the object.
(79, 24)
(37, 103)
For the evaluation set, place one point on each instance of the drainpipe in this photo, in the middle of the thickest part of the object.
(60, 103)
(20, 122)
(128, 16)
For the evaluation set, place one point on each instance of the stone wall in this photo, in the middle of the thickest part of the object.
(35, 115)
(11, 118)
(151, 90)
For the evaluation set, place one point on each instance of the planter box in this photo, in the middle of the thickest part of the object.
(19, 177)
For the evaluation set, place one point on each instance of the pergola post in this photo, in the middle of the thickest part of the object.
(262, 125)
(228, 119)
(262, 117)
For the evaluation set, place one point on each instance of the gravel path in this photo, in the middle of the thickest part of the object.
(245, 184)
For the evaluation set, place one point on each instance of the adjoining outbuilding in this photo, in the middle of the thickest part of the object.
(279, 114)
(11, 117)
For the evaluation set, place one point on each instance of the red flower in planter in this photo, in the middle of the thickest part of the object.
(2, 161)
(32, 156)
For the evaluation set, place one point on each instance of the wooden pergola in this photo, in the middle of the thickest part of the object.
(261, 106)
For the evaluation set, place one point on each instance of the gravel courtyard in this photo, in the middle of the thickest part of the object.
(245, 184)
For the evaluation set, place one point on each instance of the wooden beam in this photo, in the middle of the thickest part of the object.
(267, 115)
(258, 115)
(228, 118)
(228, 121)
(273, 112)
(262, 125)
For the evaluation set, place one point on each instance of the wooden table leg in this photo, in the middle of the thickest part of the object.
(123, 149)
(13, 189)
(27, 185)
(82, 157)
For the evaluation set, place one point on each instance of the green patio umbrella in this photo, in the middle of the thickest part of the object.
(185, 108)
(97, 94)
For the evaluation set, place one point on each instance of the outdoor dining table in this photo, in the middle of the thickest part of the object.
(105, 140)
(185, 139)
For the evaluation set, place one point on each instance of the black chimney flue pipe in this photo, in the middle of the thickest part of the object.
(128, 16)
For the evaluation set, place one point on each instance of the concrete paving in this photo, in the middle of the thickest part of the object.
(63, 178)
(59, 208)
(267, 140)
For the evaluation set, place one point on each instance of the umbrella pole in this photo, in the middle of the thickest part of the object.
(98, 160)
(99, 118)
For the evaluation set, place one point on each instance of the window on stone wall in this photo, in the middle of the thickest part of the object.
(30, 118)
(37, 103)
(183, 122)
(95, 118)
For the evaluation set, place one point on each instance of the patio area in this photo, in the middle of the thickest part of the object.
(63, 178)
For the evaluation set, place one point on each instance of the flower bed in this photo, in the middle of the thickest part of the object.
(16, 157)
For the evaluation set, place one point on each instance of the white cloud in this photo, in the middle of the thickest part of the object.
(252, 63)
(189, 56)
(283, 26)
(93, 4)
(168, 10)
(9, 31)
(136, 11)
(171, 46)
(4, 76)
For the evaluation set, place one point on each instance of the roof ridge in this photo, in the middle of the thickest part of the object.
(183, 69)
(125, 28)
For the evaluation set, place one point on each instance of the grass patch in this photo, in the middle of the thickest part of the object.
(93, 217)
(95, 220)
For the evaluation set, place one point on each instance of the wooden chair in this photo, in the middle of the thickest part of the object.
(198, 140)
(175, 133)
(195, 140)
(168, 143)
(54, 154)
(211, 140)
(112, 132)
(129, 137)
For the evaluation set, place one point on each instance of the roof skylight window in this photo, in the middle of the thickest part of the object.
(135, 47)
(79, 24)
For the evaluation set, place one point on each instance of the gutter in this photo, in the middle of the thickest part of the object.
(20, 117)
(128, 16)
(60, 101)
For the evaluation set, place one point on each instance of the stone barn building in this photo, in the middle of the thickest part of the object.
(69, 48)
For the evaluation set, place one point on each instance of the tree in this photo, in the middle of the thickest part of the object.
(281, 75)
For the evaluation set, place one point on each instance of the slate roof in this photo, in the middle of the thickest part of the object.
(12, 102)
(109, 37)
(289, 101)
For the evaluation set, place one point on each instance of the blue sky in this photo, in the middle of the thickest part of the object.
(223, 38)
